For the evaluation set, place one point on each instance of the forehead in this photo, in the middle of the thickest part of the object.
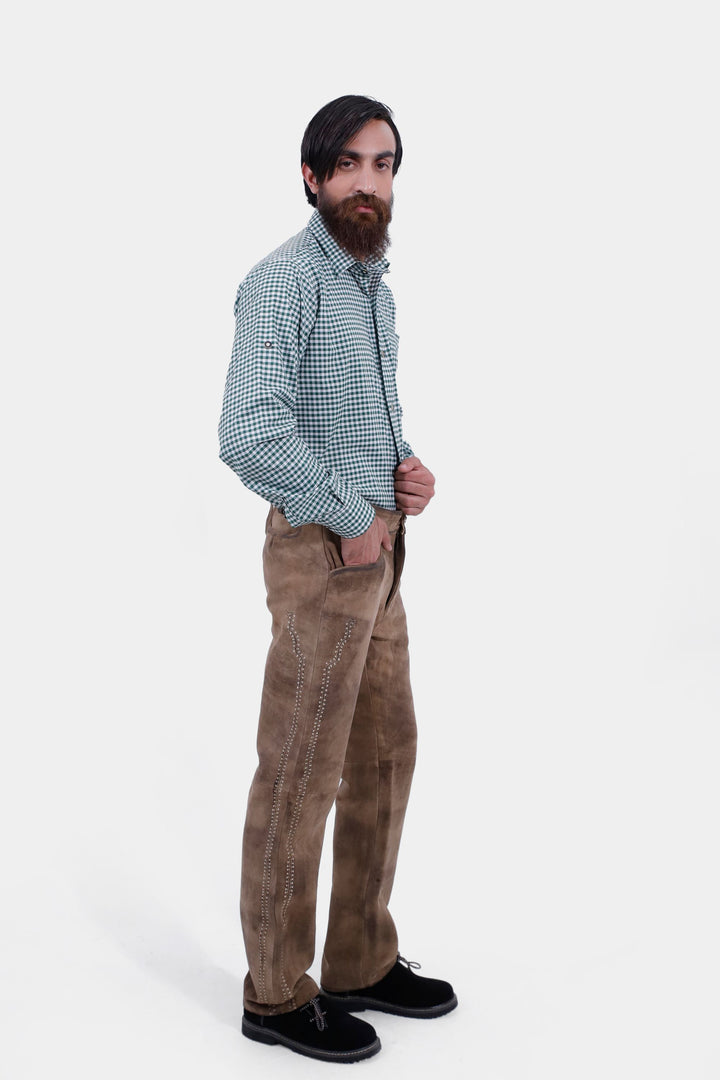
(374, 138)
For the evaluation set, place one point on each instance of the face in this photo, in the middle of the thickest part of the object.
(364, 167)
(355, 202)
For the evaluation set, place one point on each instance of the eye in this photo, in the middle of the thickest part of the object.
(383, 165)
(346, 164)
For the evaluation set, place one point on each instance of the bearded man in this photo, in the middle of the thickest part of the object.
(311, 421)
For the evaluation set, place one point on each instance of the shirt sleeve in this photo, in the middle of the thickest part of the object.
(258, 436)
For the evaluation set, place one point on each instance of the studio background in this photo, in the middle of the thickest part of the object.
(555, 268)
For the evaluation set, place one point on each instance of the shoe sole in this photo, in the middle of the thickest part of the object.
(264, 1035)
(357, 1003)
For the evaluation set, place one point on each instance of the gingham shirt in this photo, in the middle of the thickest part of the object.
(311, 419)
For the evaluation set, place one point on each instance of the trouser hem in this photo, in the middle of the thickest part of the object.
(342, 989)
(308, 989)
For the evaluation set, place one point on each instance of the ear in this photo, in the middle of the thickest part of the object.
(309, 178)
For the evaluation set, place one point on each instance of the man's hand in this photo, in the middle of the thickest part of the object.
(365, 548)
(414, 486)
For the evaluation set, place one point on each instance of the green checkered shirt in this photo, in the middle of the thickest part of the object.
(311, 419)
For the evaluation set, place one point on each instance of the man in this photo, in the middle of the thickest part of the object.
(311, 421)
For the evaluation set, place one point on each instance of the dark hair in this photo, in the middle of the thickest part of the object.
(333, 127)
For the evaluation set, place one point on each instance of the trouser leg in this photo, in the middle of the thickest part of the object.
(361, 944)
(323, 619)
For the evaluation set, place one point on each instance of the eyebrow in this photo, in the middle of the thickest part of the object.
(356, 157)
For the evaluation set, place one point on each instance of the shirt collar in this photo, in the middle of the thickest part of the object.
(338, 258)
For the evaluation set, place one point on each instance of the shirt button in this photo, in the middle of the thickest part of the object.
(268, 344)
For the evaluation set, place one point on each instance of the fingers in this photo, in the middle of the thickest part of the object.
(359, 556)
(414, 506)
(418, 475)
(365, 549)
(413, 489)
(412, 500)
(408, 463)
(409, 487)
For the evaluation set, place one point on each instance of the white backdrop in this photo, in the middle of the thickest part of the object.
(555, 267)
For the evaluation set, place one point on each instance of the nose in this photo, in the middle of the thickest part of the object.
(366, 182)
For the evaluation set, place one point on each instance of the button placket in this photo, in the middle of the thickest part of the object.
(388, 380)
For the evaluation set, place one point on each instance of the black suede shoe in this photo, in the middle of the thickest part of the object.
(318, 1030)
(401, 992)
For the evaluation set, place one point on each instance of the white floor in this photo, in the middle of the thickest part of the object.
(107, 972)
(561, 874)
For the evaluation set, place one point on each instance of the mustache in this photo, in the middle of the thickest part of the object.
(381, 208)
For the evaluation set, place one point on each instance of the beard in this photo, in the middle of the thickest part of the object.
(362, 235)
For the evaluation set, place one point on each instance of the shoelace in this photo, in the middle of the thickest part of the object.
(318, 1016)
(412, 964)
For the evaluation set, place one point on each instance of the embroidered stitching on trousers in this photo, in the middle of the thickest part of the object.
(275, 810)
(302, 787)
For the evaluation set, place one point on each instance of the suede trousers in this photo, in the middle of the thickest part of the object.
(337, 725)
